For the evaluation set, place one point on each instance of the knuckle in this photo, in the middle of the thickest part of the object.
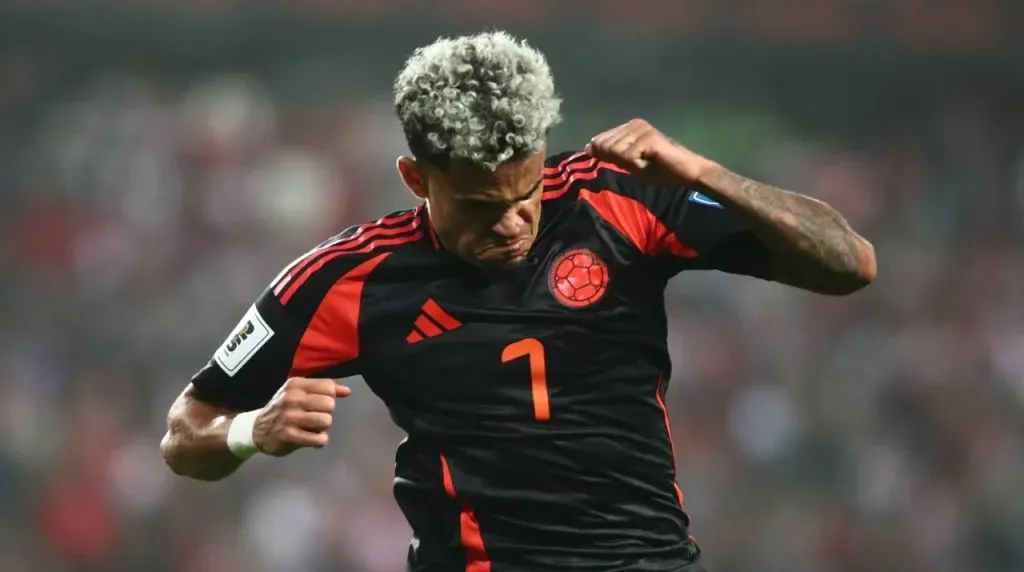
(292, 397)
(325, 386)
(290, 418)
(322, 403)
(291, 435)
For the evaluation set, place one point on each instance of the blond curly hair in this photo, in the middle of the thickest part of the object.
(483, 99)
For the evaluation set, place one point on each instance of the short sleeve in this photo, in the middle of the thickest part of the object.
(716, 237)
(679, 229)
(306, 324)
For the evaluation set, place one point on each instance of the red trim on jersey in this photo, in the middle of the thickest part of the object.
(446, 478)
(637, 223)
(360, 246)
(477, 559)
(332, 336)
(361, 234)
(586, 170)
(671, 443)
(580, 156)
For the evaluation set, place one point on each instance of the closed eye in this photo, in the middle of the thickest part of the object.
(484, 203)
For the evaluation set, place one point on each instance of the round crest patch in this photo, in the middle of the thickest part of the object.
(578, 278)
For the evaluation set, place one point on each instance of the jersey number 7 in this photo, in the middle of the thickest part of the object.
(534, 350)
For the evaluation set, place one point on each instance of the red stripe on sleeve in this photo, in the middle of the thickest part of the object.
(561, 186)
(574, 158)
(332, 336)
(358, 247)
(637, 223)
(477, 559)
(298, 264)
(587, 170)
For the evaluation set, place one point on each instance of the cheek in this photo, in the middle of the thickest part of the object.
(456, 224)
(531, 212)
(443, 215)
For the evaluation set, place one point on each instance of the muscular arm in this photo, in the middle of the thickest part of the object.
(196, 441)
(813, 246)
(260, 369)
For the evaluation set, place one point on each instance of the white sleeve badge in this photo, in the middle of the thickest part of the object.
(243, 343)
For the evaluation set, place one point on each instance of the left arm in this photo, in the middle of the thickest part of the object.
(812, 245)
(797, 240)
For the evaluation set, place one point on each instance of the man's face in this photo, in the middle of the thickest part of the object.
(490, 218)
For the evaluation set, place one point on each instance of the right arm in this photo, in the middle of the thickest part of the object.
(195, 444)
(256, 394)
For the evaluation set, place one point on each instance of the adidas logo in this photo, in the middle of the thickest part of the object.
(432, 321)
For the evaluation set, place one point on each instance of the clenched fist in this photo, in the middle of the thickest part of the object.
(648, 153)
(298, 416)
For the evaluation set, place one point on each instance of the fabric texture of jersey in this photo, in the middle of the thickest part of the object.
(533, 398)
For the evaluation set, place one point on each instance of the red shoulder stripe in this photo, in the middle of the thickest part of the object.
(350, 243)
(332, 336)
(637, 223)
(585, 164)
(386, 237)
(298, 265)
(583, 168)
(557, 169)
(573, 162)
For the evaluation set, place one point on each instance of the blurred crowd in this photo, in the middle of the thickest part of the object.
(142, 213)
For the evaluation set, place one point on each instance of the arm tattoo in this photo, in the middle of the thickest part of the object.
(814, 246)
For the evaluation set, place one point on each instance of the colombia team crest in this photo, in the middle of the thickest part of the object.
(578, 278)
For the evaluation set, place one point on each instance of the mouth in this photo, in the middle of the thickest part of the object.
(507, 252)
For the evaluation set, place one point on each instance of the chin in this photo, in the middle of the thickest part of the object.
(514, 261)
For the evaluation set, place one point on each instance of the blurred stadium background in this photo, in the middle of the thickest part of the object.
(160, 161)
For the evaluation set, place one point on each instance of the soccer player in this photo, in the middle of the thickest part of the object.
(513, 323)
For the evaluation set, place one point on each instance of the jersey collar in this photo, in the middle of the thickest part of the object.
(425, 213)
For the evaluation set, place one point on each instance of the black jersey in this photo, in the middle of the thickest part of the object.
(532, 398)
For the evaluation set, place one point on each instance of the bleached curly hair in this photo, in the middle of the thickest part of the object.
(483, 99)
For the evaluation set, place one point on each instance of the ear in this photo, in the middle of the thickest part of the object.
(412, 176)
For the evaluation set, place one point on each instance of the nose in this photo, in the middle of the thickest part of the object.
(510, 225)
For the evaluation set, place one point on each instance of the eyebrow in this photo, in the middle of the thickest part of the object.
(490, 201)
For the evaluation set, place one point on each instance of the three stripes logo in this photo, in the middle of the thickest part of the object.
(432, 321)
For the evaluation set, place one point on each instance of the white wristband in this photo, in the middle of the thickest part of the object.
(240, 440)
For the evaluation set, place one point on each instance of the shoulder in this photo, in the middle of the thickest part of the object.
(349, 255)
(572, 176)
(569, 172)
